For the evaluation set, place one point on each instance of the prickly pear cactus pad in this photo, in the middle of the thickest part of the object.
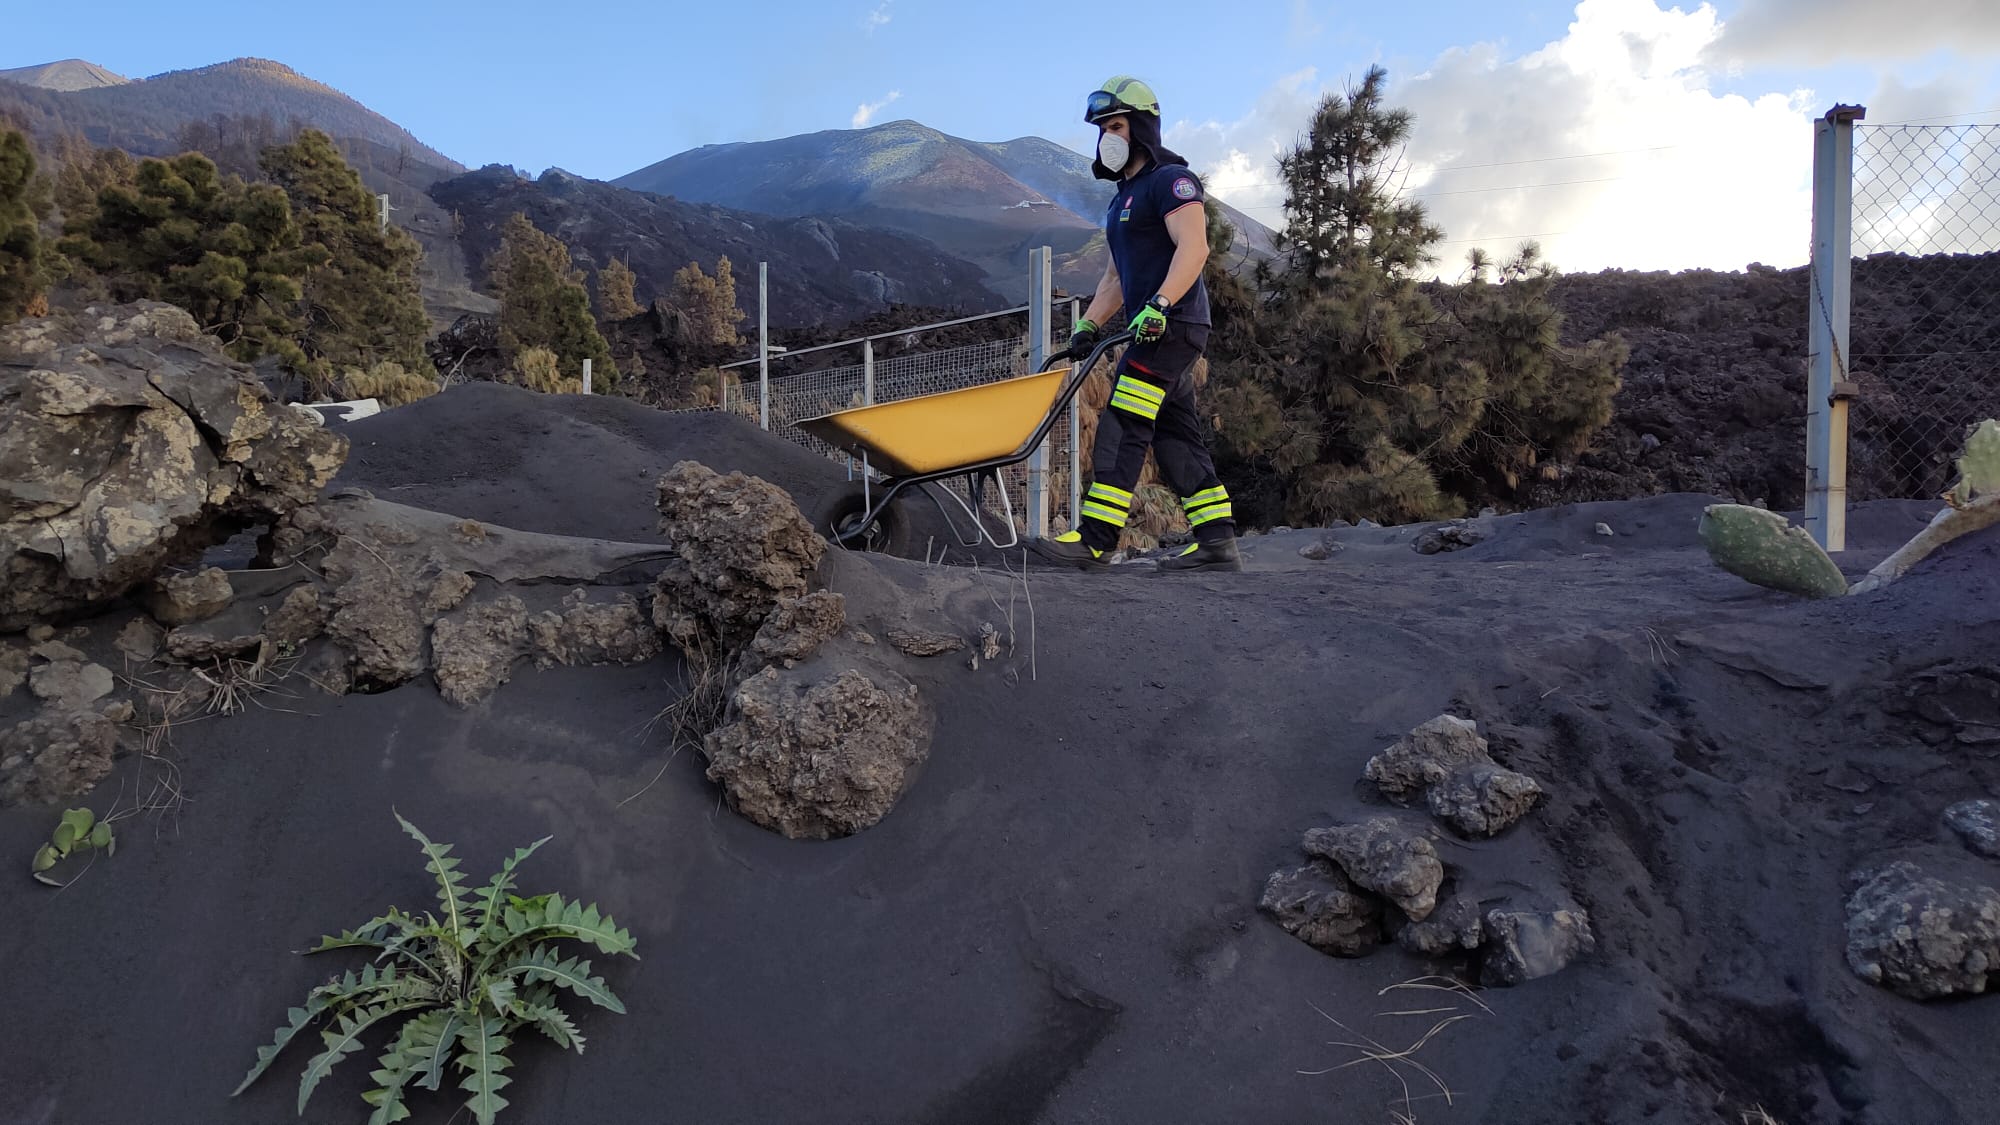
(1762, 547)
(1979, 467)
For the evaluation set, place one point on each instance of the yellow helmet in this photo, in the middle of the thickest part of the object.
(1120, 93)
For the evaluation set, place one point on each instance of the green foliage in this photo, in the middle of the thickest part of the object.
(1761, 547)
(1978, 467)
(388, 384)
(543, 304)
(1356, 391)
(227, 252)
(616, 291)
(709, 303)
(78, 831)
(465, 979)
(21, 256)
(538, 370)
(359, 303)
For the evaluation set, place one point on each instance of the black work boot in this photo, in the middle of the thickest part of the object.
(1069, 549)
(1219, 555)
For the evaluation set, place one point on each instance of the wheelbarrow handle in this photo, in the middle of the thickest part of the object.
(1096, 353)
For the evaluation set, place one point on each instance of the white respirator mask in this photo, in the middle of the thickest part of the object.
(1113, 151)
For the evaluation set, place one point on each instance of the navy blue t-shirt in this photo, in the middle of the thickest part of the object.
(1135, 227)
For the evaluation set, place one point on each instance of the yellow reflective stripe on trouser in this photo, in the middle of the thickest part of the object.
(1136, 396)
(1199, 516)
(1107, 504)
(1116, 517)
(1206, 496)
(1110, 495)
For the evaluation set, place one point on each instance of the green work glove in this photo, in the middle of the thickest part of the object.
(1082, 340)
(1151, 323)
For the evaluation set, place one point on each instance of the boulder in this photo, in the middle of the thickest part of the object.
(56, 755)
(817, 758)
(1525, 945)
(301, 617)
(740, 545)
(1426, 756)
(475, 651)
(1321, 550)
(925, 642)
(1454, 536)
(177, 599)
(1921, 935)
(1382, 855)
(13, 669)
(1454, 927)
(447, 591)
(132, 443)
(1481, 798)
(140, 640)
(797, 627)
(1319, 906)
(616, 632)
(71, 684)
(226, 638)
(1978, 824)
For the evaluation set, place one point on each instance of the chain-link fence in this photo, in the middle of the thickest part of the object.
(1924, 350)
(812, 394)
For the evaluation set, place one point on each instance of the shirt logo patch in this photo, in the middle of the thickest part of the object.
(1125, 216)
(1184, 188)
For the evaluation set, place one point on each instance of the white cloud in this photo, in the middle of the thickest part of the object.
(879, 17)
(1656, 170)
(866, 111)
(1824, 31)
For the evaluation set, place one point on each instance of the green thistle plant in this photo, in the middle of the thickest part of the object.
(462, 981)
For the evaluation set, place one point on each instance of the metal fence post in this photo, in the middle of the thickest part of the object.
(867, 372)
(1075, 433)
(1041, 298)
(764, 344)
(586, 374)
(1827, 307)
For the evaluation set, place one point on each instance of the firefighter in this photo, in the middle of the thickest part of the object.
(1157, 231)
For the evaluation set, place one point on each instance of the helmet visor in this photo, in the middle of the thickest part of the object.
(1103, 104)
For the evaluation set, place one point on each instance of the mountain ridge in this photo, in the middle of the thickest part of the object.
(986, 201)
(64, 75)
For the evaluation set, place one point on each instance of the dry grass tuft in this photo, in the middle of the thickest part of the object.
(1403, 1064)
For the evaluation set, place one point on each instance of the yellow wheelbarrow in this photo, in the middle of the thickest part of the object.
(972, 433)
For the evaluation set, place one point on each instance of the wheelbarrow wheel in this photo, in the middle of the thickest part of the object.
(840, 519)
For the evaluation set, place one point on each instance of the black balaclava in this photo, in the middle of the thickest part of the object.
(1145, 131)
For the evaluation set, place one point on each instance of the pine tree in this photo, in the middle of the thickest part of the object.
(360, 305)
(616, 299)
(709, 304)
(226, 251)
(21, 259)
(543, 303)
(1365, 395)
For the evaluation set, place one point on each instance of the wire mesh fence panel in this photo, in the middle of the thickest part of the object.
(1924, 339)
(813, 394)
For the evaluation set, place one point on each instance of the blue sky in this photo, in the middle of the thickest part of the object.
(603, 89)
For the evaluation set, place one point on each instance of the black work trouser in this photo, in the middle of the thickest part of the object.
(1153, 406)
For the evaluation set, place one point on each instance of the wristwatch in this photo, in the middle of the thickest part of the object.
(1159, 302)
